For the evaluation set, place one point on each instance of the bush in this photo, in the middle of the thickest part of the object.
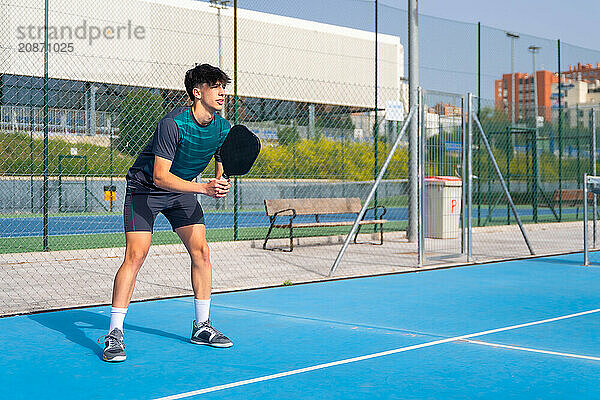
(342, 121)
(288, 135)
(22, 156)
(326, 159)
(140, 112)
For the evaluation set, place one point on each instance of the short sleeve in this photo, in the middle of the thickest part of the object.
(166, 139)
(225, 127)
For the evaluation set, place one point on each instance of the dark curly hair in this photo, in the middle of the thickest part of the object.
(204, 73)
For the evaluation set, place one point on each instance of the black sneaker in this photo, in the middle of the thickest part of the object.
(204, 333)
(114, 349)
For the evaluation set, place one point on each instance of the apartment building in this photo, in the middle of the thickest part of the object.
(515, 94)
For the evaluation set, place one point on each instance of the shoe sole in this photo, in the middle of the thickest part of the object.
(115, 359)
(219, 345)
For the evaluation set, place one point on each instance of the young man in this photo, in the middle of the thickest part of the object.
(160, 180)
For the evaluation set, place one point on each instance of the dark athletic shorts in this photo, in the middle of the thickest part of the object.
(140, 210)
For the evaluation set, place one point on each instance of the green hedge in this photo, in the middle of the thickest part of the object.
(17, 157)
(307, 159)
(324, 159)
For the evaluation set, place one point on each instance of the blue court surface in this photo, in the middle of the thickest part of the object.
(527, 329)
(113, 223)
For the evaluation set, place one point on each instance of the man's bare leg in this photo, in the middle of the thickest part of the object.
(194, 239)
(136, 249)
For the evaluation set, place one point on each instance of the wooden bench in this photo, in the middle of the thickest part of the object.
(316, 206)
(570, 197)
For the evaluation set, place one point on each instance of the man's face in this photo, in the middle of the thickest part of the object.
(212, 97)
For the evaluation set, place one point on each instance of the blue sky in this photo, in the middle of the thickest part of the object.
(448, 33)
(573, 21)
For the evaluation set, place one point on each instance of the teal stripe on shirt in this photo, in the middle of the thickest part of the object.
(197, 144)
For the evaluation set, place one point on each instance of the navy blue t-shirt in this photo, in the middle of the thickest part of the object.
(181, 139)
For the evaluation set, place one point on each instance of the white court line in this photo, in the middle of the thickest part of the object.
(505, 346)
(369, 356)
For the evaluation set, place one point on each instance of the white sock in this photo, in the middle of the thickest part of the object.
(117, 316)
(201, 307)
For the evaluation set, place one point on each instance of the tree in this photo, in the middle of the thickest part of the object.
(140, 112)
(288, 135)
(337, 121)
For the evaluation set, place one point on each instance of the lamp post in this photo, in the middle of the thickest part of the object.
(534, 50)
(219, 5)
(513, 37)
(535, 156)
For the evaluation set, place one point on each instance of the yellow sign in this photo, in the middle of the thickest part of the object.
(110, 193)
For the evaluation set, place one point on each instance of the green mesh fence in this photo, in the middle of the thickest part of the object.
(326, 96)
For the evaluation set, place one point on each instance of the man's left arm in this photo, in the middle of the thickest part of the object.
(218, 169)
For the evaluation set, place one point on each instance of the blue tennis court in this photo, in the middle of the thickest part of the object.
(518, 329)
(113, 223)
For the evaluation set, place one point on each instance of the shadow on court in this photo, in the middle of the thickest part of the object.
(563, 261)
(74, 324)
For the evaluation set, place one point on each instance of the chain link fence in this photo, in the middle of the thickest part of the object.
(76, 111)
(542, 161)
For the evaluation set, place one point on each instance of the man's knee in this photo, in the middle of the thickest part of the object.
(134, 257)
(200, 253)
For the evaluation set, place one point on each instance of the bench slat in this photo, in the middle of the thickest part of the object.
(313, 206)
(570, 195)
(328, 224)
(316, 207)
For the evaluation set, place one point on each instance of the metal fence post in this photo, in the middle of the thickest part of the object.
(586, 260)
(578, 142)
(46, 131)
(235, 117)
(463, 236)
(112, 166)
(535, 169)
(421, 120)
(376, 125)
(509, 150)
(413, 144)
(560, 145)
(594, 161)
(469, 175)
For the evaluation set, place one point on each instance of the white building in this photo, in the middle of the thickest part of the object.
(151, 43)
(578, 93)
(578, 99)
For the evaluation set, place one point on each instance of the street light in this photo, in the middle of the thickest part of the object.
(219, 5)
(535, 151)
(513, 37)
(534, 49)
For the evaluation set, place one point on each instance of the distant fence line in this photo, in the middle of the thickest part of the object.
(76, 194)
